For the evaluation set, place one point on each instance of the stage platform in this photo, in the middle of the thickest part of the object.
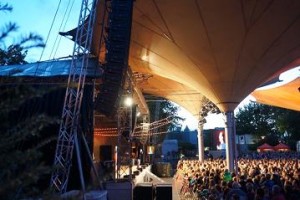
(144, 186)
(171, 181)
(160, 181)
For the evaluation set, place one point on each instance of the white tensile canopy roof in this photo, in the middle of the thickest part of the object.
(220, 49)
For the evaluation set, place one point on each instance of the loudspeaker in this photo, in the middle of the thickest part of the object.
(143, 191)
(110, 93)
(105, 152)
(117, 52)
(163, 192)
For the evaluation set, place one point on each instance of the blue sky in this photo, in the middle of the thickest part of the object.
(37, 16)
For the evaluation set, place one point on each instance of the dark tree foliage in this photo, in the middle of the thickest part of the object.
(288, 125)
(16, 53)
(12, 55)
(21, 166)
(5, 7)
(256, 119)
(276, 124)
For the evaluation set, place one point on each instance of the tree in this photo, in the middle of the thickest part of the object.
(257, 119)
(21, 166)
(288, 125)
(276, 124)
(16, 53)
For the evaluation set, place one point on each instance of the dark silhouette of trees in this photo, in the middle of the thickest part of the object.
(16, 53)
(275, 124)
(21, 166)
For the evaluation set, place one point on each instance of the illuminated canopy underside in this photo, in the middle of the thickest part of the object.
(221, 49)
(285, 96)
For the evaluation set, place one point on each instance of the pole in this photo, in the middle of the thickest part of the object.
(79, 164)
(200, 142)
(229, 130)
(235, 147)
(91, 159)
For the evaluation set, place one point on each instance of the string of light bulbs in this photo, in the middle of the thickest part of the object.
(138, 131)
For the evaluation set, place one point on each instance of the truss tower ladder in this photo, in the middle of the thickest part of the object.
(74, 92)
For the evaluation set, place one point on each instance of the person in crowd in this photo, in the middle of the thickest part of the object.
(261, 176)
(236, 191)
(276, 193)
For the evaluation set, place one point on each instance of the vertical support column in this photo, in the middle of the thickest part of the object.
(229, 136)
(200, 142)
(235, 147)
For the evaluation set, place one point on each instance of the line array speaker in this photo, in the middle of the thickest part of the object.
(117, 53)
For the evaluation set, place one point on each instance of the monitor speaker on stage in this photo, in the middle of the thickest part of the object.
(163, 192)
(143, 191)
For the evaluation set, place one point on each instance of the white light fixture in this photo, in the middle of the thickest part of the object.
(128, 101)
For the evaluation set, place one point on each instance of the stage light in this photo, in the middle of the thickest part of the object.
(150, 149)
(128, 101)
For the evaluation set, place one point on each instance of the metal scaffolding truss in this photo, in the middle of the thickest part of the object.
(124, 151)
(68, 132)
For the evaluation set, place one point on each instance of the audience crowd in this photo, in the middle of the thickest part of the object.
(258, 176)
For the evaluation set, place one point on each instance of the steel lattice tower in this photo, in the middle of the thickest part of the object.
(68, 131)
